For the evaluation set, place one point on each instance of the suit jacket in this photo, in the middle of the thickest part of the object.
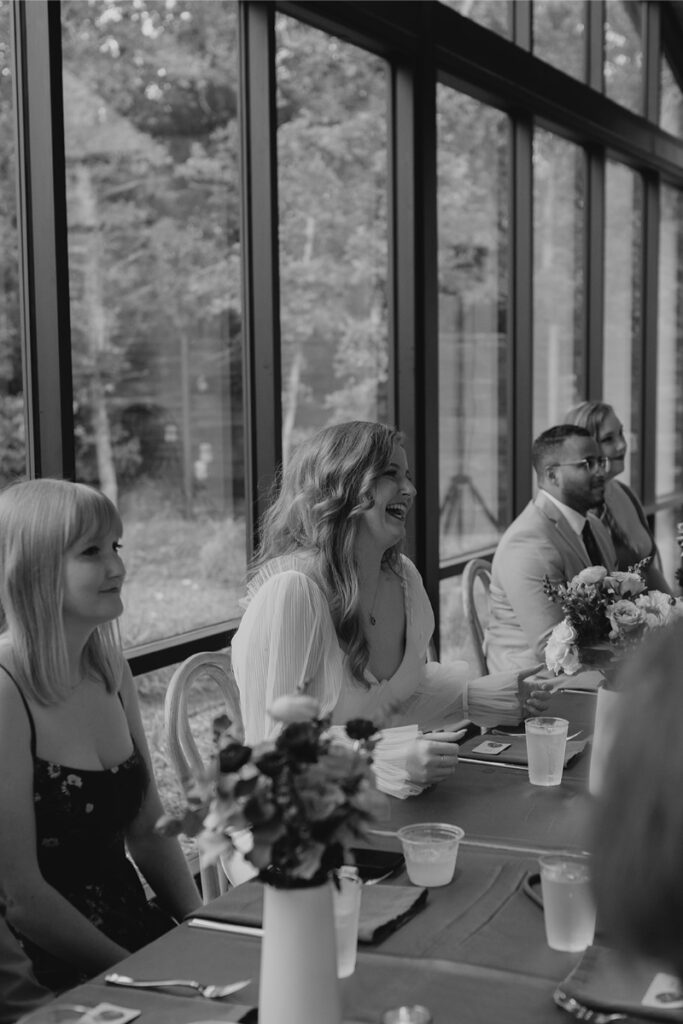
(540, 542)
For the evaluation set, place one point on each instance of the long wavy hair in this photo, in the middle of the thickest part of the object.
(589, 415)
(39, 521)
(324, 490)
(637, 820)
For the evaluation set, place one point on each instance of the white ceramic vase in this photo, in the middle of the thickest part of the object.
(603, 737)
(298, 983)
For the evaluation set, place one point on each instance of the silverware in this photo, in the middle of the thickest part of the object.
(501, 732)
(581, 1012)
(223, 926)
(208, 991)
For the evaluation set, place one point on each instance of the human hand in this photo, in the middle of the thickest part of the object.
(433, 756)
(533, 694)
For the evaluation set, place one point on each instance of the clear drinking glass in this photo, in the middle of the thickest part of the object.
(568, 908)
(546, 739)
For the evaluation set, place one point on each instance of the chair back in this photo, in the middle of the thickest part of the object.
(182, 746)
(476, 583)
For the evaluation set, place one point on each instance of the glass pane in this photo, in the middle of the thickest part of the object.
(622, 360)
(624, 53)
(559, 34)
(493, 14)
(558, 372)
(12, 432)
(150, 102)
(670, 101)
(669, 453)
(332, 183)
(473, 174)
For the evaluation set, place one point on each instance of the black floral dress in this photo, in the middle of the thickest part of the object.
(81, 820)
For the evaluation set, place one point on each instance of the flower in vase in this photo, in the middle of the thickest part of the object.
(561, 653)
(306, 795)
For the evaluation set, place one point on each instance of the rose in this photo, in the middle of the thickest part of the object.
(588, 577)
(626, 584)
(294, 707)
(561, 654)
(659, 609)
(625, 617)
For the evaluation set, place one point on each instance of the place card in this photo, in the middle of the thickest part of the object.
(490, 747)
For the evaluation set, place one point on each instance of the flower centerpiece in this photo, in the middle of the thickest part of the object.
(305, 795)
(605, 615)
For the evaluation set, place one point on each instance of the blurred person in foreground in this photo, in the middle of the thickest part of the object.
(621, 511)
(76, 779)
(335, 609)
(556, 535)
(637, 821)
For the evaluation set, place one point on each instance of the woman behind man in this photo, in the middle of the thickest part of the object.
(334, 608)
(622, 513)
(75, 774)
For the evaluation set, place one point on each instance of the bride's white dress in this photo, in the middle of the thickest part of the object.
(286, 640)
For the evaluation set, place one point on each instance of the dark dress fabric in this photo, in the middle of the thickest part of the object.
(81, 819)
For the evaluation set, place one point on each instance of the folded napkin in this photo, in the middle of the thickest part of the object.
(383, 908)
(515, 752)
(607, 980)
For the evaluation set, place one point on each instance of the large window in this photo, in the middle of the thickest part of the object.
(559, 35)
(332, 193)
(669, 457)
(558, 277)
(153, 201)
(12, 434)
(473, 177)
(624, 53)
(623, 305)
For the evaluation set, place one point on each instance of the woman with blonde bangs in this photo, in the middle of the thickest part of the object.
(622, 512)
(334, 608)
(75, 772)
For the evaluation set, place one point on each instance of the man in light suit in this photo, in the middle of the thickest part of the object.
(548, 538)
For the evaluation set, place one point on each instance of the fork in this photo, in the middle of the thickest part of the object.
(585, 1013)
(502, 732)
(208, 991)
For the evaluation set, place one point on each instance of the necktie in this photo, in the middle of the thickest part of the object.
(591, 545)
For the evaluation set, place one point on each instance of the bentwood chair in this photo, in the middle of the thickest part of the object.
(476, 583)
(216, 667)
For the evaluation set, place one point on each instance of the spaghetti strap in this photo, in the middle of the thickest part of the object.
(28, 710)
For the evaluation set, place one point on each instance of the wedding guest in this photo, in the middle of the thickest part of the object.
(19, 991)
(335, 608)
(556, 535)
(76, 780)
(621, 511)
(638, 819)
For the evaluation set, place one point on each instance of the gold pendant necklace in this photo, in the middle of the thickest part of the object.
(371, 613)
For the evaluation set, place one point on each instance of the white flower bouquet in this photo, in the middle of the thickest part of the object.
(606, 613)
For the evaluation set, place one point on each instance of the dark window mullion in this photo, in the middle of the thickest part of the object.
(41, 187)
(260, 270)
(520, 319)
(649, 338)
(595, 44)
(594, 270)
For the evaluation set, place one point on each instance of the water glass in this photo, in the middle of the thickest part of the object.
(346, 900)
(568, 908)
(546, 739)
(430, 851)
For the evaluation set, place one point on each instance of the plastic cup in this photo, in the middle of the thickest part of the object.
(346, 901)
(546, 739)
(430, 852)
(568, 908)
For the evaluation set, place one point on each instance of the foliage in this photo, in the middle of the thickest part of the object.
(305, 796)
(605, 613)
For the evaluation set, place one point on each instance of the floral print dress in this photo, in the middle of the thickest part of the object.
(81, 820)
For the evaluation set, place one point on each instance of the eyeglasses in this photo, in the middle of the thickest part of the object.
(591, 463)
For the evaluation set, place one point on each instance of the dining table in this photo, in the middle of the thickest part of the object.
(474, 953)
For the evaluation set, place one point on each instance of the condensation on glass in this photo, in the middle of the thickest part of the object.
(12, 430)
(670, 101)
(623, 66)
(332, 192)
(669, 453)
(559, 275)
(473, 213)
(493, 14)
(559, 35)
(622, 305)
(150, 106)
